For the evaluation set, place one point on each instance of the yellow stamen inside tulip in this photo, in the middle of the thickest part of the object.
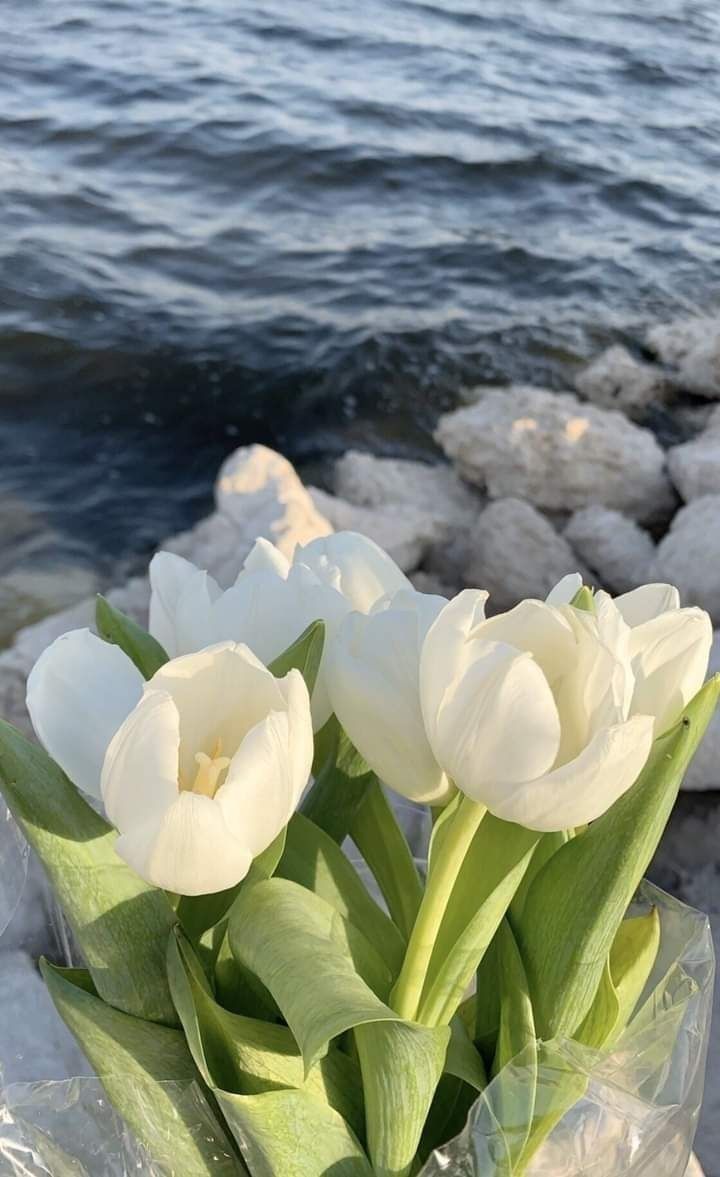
(210, 770)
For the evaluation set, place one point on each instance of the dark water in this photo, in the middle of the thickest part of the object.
(310, 224)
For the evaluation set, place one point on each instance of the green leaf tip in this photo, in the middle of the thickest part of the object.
(304, 655)
(141, 647)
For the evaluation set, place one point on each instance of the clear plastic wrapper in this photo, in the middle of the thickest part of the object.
(631, 1110)
(13, 866)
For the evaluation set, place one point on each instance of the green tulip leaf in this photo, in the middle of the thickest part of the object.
(288, 1133)
(514, 1101)
(304, 655)
(140, 647)
(323, 975)
(463, 1058)
(377, 834)
(623, 980)
(246, 1056)
(120, 923)
(150, 1079)
(342, 779)
(579, 898)
(313, 859)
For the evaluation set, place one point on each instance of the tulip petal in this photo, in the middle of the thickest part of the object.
(140, 773)
(265, 557)
(259, 796)
(373, 676)
(188, 849)
(565, 589)
(79, 692)
(584, 788)
(268, 613)
(498, 722)
(538, 628)
(446, 652)
(646, 602)
(220, 694)
(355, 566)
(180, 599)
(670, 657)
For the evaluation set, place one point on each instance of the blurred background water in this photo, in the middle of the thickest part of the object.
(310, 225)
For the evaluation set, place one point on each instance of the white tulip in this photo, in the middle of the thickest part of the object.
(199, 768)
(528, 712)
(669, 649)
(207, 769)
(273, 599)
(373, 680)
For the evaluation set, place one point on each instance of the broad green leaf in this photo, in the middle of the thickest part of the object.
(320, 973)
(150, 1079)
(379, 838)
(493, 868)
(246, 1056)
(548, 845)
(140, 647)
(120, 923)
(237, 989)
(515, 1097)
(580, 897)
(624, 977)
(199, 913)
(313, 859)
(463, 1059)
(342, 779)
(632, 959)
(290, 1134)
(487, 1003)
(401, 1065)
(517, 1024)
(304, 655)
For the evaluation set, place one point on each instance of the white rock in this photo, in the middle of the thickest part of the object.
(260, 493)
(517, 553)
(692, 347)
(557, 453)
(689, 555)
(695, 465)
(436, 490)
(404, 533)
(614, 547)
(672, 342)
(617, 380)
(704, 770)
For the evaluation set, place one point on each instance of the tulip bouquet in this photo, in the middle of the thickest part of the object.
(338, 1013)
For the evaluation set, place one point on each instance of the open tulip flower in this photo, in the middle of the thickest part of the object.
(273, 599)
(234, 748)
(199, 769)
(529, 711)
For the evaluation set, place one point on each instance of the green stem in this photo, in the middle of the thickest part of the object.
(379, 838)
(443, 873)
